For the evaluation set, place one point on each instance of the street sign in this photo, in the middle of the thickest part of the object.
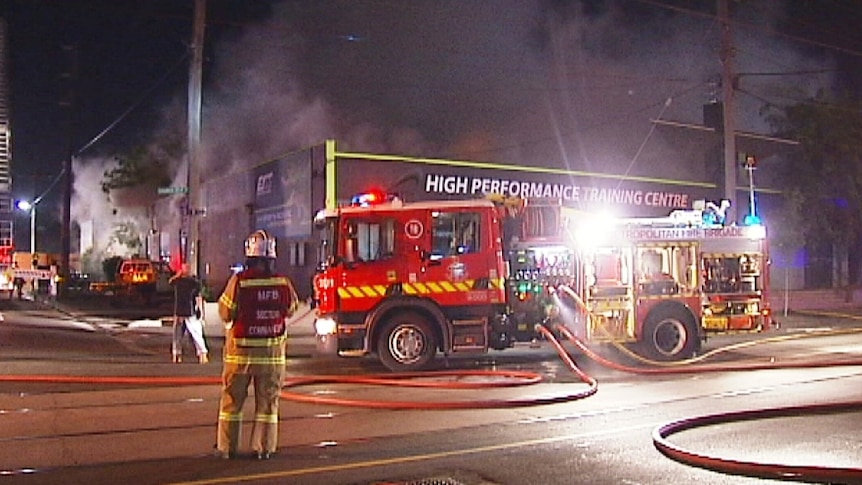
(173, 190)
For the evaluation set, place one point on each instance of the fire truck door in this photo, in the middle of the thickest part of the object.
(457, 266)
(367, 251)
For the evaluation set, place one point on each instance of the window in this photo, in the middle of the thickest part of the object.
(370, 240)
(454, 233)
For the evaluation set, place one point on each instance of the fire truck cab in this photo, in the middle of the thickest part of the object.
(406, 280)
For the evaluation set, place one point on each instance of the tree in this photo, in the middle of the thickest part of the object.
(823, 180)
(134, 183)
(128, 235)
(140, 167)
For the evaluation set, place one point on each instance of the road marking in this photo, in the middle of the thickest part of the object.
(417, 458)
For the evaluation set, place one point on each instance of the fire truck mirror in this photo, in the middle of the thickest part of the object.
(350, 256)
(430, 258)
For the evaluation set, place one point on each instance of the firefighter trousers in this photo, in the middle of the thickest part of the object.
(267, 390)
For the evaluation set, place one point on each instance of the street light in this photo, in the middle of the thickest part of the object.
(27, 206)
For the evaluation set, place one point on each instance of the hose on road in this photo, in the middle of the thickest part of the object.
(439, 380)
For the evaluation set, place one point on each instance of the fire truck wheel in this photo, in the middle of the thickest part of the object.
(670, 334)
(406, 343)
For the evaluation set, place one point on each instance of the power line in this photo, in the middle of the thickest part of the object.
(134, 105)
(751, 25)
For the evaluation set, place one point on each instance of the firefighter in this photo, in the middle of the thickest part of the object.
(254, 306)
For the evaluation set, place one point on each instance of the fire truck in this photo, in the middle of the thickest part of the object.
(406, 280)
(665, 284)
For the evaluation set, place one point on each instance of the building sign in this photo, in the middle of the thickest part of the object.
(172, 190)
(421, 180)
(282, 196)
(570, 193)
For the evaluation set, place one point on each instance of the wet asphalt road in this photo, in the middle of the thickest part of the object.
(137, 433)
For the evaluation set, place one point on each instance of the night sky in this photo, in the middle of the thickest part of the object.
(563, 83)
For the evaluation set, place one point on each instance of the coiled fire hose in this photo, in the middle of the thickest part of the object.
(490, 379)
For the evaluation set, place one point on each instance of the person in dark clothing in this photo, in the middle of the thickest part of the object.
(188, 314)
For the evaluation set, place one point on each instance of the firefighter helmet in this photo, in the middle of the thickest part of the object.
(260, 244)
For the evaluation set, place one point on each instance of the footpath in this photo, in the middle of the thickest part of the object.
(100, 315)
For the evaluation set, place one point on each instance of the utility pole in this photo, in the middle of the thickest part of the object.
(193, 197)
(727, 86)
(68, 176)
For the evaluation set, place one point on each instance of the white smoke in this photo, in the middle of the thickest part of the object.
(92, 209)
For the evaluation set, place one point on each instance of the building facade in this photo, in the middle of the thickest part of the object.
(7, 206)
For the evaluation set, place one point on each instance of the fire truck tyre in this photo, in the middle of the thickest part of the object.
(670, 334)
(406, 343)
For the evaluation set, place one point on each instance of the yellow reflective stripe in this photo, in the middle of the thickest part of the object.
(377, 290)
(447, 286)
(362, 291)
(229, 416)
(425, 288)
(252, 282)
(266, 418)
(259, 342)
(227, 301)
(435, 288)
(247, 359)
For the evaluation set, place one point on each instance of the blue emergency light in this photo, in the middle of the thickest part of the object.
(751, 220)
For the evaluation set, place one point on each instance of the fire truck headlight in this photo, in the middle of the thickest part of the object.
(594, 230)
(324, 326)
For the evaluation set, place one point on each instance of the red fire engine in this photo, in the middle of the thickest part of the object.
(406, 280)
(667, 283)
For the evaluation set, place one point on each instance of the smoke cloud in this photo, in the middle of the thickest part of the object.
(571, 84)
(547, 83)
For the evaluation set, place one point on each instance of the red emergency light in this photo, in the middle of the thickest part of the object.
(365, 199)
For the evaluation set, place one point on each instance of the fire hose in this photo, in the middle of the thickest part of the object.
(510, 379)
(775, 471)
(519, 378)
(778, 471)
